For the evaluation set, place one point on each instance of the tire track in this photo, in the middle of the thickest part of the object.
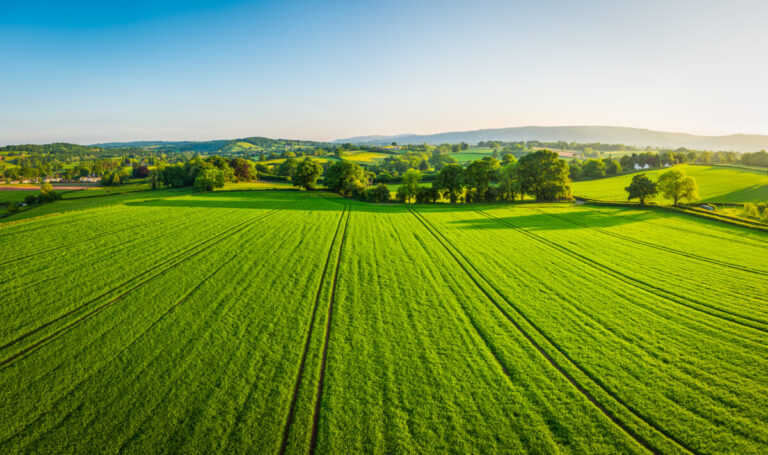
(297, 384)
(123, 349)
(450, 248)
(319, 399)
(222, 236)
(77, 242)
(653, 245)
(64, 272)
(711, 310)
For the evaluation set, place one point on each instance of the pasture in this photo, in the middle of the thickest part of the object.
(293, 322)
(716, 184)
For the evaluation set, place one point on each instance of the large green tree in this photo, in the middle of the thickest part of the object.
(641, 188)
(451, 180)
(208, 179)
(509, 182)
(675, 185)
(479, 175)
(307, 173)
(544, 176)
(593, 169)
(410, 185)
(345, 178)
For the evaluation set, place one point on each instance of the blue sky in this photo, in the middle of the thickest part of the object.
(97, 71)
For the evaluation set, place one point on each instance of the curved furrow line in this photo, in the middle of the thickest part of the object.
(300, 374)
(211, 242)
(450, 248)
(711, 310)
(653, 245)
(324, 358)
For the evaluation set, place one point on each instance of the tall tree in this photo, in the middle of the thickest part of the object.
(641, 188)
(544, 176)
(451, 179)
(307, 173)
(509, 182)
(208, 179)
(410, 185)
(345, 178)
(675, 185)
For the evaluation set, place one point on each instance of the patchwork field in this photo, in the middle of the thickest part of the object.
(295, 322)
(716, 184)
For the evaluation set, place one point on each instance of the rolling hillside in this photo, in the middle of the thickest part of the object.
(716, 184)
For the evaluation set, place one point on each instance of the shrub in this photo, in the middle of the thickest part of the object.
(750, 210)
(13, 207)
(30, 199)
(379, 193)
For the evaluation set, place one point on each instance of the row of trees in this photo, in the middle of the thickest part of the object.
(541, 175)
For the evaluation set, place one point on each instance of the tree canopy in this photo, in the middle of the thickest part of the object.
(675, 185)
(307, 173)
(544, 176)
(641, 188)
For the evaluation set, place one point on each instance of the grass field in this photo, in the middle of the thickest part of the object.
(268, 321)
(366, 157)
(716, 184)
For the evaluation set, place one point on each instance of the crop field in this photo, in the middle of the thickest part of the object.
(302, 322)
(366, 157)
(716, 184)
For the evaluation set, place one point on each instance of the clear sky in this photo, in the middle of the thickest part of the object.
(91, 71)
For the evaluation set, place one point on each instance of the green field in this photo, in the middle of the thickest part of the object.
(716, 184)
(366, 157)
(271, 321)
(7, 196)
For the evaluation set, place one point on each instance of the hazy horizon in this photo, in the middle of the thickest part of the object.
(88, 72)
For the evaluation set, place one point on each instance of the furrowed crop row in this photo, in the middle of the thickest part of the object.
(711, 310)
(80, 241)
(124, 348)
(297, 385)
(120, 246)
(617, 402)
(653, 245)
(323, 361)
(729, 239)
(202, 247)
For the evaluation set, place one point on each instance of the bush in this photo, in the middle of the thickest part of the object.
(750, 210)
(379, 193)
(761, 207)
(13, 207)
(30, 199)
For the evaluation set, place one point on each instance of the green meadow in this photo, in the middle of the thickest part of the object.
(716, 184)
(303, 322)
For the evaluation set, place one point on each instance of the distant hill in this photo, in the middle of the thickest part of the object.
(207, 146)
(583, 134)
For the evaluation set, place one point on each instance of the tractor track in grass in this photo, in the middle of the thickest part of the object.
(121, 246)
(77, 242)
(210, 242)
(742, 320)
(651, 245)
(728, 239)
(327, 336)
(450, 248)
(297, 384)
(124, 348)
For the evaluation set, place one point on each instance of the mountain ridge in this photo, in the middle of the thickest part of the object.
(640, 137)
